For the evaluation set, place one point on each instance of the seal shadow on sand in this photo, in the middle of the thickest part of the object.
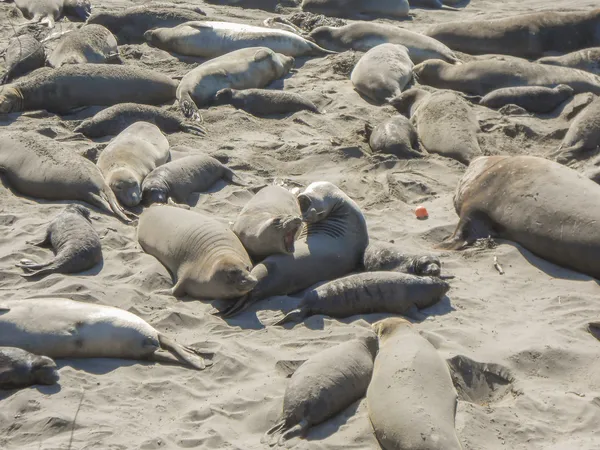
(86, 273)
(44, 390)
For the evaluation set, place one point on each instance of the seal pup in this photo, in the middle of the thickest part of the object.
(23, 54)
(380, 256)
(63, 328)
(212, 39)
(323, 386)
(31, 169)
(20, 369)
(553, 201)
(369, 293)
(412, 380)
(253, 67)
(264, 102)
(92, 44)
(382, 72)
(395, 136)
(204, 256)
(587, 59)
(178, 179)
(536, 99)
(363, 36)
(49, 11)
(130, 157)
(583, 135)
(269, 223)
(75, 243)
(409, 101)
(528, 36)
(358, 9)
(75, 85)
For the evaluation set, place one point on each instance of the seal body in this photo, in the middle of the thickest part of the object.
(264, 102)
(411, 380)
(23, 54)
(381, 256)
(269, 223)
(253, 67)
(206, 258)
(20, 369)
(409, 101)
(395, 136)
(583, 135)
(92, 44)
(48, 11)
(129, 157)
(212, 39)
(382, 72)
(536, 99)
(357, 8)
(587, 59)
(323, 386)
(74, 241)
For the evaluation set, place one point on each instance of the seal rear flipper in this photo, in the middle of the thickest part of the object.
(296, 316)
(193, 129)
(185, 355)
(240, 305)
(318, 50)
(565, 155)
(287, 367)
(233, 178)
(37, 270)
(271, 437)
(297, 430)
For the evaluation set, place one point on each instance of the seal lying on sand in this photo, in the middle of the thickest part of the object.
(587, 59)
(19, 369)
(62, 328)
(204, 256)
(535, 99)
(583, 135)
(264, 102)
(395, 136)
(358, 9)
(92, 44)
(540, 204)
(23, 54)
(40, 167)
(323, 386)
(74, 241)
(74, 85)
(380, 256)
(48, 11)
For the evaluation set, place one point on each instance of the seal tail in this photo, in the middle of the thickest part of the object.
(186, 355)
(295, 316)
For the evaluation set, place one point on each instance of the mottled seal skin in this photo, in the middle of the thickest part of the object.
(528, 36)
(323, 386)
(62, 328)
(382, 72)
(49, 11)
(368, 293)
(583, 135)
(535, 99)
(363, 36)
(269, 223)
(587, 59)
(212, 39)
(23, 54)
(411, 380)
(480, 77)
(204, 256)
(358, 9)
(253, 67)
(92, 44)
(75, 85)
(395, 136)
(264, 102)
(75, 243)
(180, 178)
(39, 167)
(20, 369)
(380, 256)
(556, 209)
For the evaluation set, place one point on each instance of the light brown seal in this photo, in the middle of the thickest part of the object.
(395, 136)
(23, 54)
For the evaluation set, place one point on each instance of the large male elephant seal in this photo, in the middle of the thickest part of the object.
(583, 135)
(527, 35)
(75, 85)
(269, 223)
(49, 11)
(395, 136)
(39, 167)
(536, 99)
(380, 256)
(212, 39)
(358, 9)
(75, 242)
(23, 54)
(264, 102)
(411, 399)
(92, 44)
(323, 386)
(253, 67)
(20, 369)
(587, 59)
(547, 208)
(363, 36)
(204, 256)
(62, 328)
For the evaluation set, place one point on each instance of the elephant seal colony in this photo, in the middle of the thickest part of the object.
(92, 44)
(19, 369)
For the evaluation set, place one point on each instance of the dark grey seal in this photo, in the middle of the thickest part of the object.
(264, 102)
(380, 256)
(23, 54)
(536, 99)
(395, 136)
(20, 369)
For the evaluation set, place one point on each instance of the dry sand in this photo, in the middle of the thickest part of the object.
(530, 320)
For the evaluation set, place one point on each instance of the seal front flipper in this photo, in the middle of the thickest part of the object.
(272, 436)
(240, 305)
(470, 228)
(415, 314)
(45, 242)
(287, 367)
(296, 316)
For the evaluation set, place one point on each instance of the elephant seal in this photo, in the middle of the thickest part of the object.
(114, 119)
(178, 179)
(331, 245)
(382, 72)
(49, 11)
(270, 223)
(528, 36)
(130, 157)
(412, 380)
(92, 44)
(323, 386)
(20, 369)
(253, 67)
(395, 136)
(368, 293)
(264, 102)
(75, 85)
(409, 101)
(433, 4)
(23, 54)
(358, 9)
(75, 243)
(363, 36)
(205, 257)
(583, 135)
(587, 60)
(212, 39)
(536, 99)
(40, 167)
(554, 204)
(62, 328)
(380, 256)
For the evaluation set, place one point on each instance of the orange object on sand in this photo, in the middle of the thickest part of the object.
(421, 212)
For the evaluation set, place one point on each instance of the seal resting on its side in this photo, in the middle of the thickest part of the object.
(23, 54)
(92, 44)
(358, 9)
(395, 136)
(536, 99)
(19, 368)
(587, 59)
(48, 11)
(383, 256)
(583, 135)
(264, 102)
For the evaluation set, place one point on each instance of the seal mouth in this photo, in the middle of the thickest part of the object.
(432, 270)
(289, 239)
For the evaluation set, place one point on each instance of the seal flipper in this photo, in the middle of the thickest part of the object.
(287, 367)
(240, 305)
(272, 435)
(45, 242)
(233, 178)
(186, 355)
(470, 228)
(296, 316)
(102, 203)
(593, 328)
(415, 314)
(192, 129)
(297, 430)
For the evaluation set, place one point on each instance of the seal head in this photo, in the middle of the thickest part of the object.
(234, 274)
(317, 201)
(44, 370)
(11, 100)
(125, 186)
(426, 265)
